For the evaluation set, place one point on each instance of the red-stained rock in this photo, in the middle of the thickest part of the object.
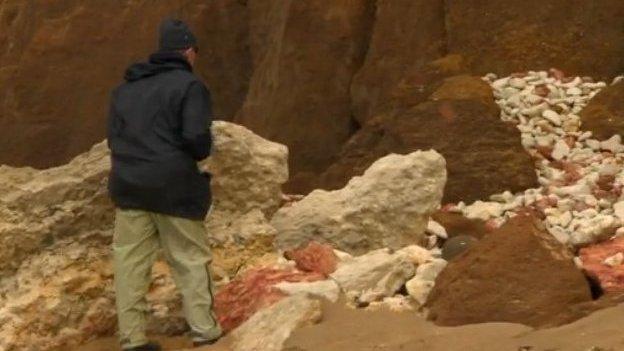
(318, 258)
(611, 279)
(243, 297)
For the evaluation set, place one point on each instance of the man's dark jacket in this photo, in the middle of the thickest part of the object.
(158, 128)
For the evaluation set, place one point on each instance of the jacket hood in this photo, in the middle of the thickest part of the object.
(159, 62)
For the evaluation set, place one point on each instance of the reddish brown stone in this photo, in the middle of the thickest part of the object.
(315, 257)
(519, 273)
(545, 151)
(605, 182)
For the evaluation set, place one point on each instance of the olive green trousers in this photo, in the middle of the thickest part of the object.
(137, 239)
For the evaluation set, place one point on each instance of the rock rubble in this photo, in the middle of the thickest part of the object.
(581, 177)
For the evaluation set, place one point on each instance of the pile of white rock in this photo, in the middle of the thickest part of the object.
(377, 278)
(570, 164)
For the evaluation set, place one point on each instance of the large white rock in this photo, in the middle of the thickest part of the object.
(364, 272)
(389, 284)
(268, 329)
(248, 171)
(327, 289)
(374, 275)
(388, 206)
(421, 284)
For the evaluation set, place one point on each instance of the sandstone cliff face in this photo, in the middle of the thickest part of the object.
(406, 34)
(579, 37)
(60, 59)
(299, 91)
(306, 74)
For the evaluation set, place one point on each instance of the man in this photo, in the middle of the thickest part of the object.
(159, 127)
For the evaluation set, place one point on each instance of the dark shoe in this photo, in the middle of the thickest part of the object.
(205, 342)
(151, 346)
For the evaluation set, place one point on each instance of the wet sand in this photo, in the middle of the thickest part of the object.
(346, 329)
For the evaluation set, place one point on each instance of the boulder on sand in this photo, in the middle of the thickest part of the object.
(40, 207)
(268, 329)
(388, 206)
(518, 273)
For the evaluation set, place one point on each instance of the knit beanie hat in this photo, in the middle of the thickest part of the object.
(175, 35)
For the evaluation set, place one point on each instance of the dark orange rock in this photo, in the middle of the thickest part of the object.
(315, 257)
(519, 273)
